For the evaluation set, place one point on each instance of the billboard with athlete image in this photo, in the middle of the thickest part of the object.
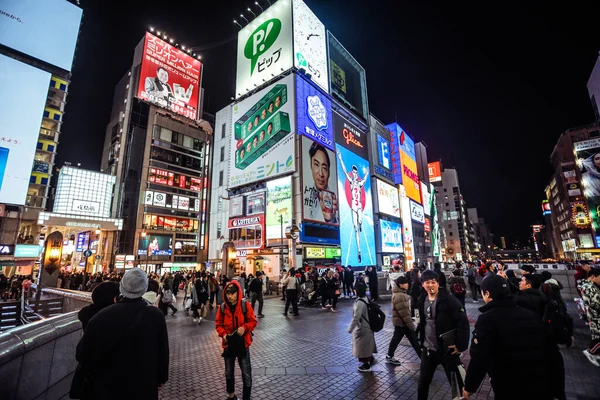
(357, 235)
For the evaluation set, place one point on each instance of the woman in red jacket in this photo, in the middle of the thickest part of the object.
(234, 323)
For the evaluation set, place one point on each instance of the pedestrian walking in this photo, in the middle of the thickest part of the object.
(333, 289)
(392, 275)
(166, 295)
(590, 291)
(324, 291)
(508, 342)
(402, 321)
(371, 273)
(441, 316)
(199, 291)
(125, 347)
(213, 286)
(471, 280)
(290, 286)
(234, 323)
(363, 338)
(256, 292)
(416, 290)
(349, 281)
(458, 288)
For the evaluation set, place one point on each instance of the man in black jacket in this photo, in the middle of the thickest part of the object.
(509, 342)
(255, 288)
(530, 296)
(125, 347)
(439, 313)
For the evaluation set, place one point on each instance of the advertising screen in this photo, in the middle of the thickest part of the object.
(320, 201)
(398, 141)
(387, 199)
(263, 146)
(314, 114)
(279, 207)
(588, 160)
(391, 237)
(349, 136)
(435, 171)
(426, 196)
(169, 77)
(410, 178)
(43, 29)
(255, 203)
(22, 112)
(381, 154)
(264, 48)
(357, 235)
(347, 78)
(409, 248)
(155, 245)
(310, 44)
(416, 212)
(546, 208)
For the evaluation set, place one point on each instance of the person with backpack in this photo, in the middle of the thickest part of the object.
(471, 280)
(403, 323)
(234, 324)
(256, 292)
(199, 292)
(442, 321)
(363, 337)
(458, 288)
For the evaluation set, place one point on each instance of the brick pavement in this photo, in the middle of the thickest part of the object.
(310, 357)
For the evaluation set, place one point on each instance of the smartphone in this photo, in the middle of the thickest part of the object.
(3, 160)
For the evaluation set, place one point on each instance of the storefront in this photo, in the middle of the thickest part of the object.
(322, 257)
(20, 259)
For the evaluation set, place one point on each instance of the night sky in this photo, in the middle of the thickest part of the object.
(489, 88)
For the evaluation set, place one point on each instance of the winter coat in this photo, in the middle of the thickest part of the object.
(255, 285)
(459, 280)
(349, 277)
(323, 286)
(442, 279)
(392, 276)
(332, 286)
(591, 298)
(86, 313)
(363, 338)
(126, 363)
(289, 282)
(213, 284)
(449, 314)
(401, 308)
(508, 342)
(226, 323)
(532, 299)
(202, 290)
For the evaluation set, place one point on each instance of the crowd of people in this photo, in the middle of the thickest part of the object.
(11, 288)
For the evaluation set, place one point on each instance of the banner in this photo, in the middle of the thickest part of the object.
(320, 202)
(169, 77)
(310, 44)
(314, 114)
(279, 207)
(387, 199)
(435, 171)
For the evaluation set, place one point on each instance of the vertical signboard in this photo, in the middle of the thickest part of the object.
(263, 140)
(314, 118)
(588, 160)
(425, 195)
(264, 48)
(310, 44)
(381, 154)
(409, 248)
(387, 199)
(404, 162)
(435, 171)
(279, 207)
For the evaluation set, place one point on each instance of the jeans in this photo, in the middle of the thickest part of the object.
(474, 292)
(291, 297)
(399, 333)
(429, 362)
(246, 368)
(259, 297)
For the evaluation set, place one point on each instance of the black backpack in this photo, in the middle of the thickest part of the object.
(376, 316)
(558, 322)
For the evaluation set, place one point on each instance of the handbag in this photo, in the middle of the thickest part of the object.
(167, 296)
(188, 303)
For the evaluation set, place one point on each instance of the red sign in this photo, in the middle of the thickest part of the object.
(435, 171)
(427, 225)
(169, 77)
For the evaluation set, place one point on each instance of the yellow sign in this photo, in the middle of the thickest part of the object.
(338, 76)
(315, 252)
(410, 177)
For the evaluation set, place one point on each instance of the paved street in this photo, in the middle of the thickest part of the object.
(310, 357)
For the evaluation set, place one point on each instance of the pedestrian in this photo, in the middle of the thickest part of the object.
(458, 288)
(234, 323)
(103, 296)
(166, 297)
(256, 292)
(590, 291)
(527, 269)
(151, 294)
(324, 291)
(290, 286)
(213, 286)
(402, 321)
(333, 289)
(125, 347)
(243, 283)
(283, 275)
(371, 272)
(437, 267)
(392, 275)
(349, 282)
(471, 280)
(416, 290)
(530, 296)
(508, 342)
(363, 338)
(199, 292)
(440, 314)
(513, 281)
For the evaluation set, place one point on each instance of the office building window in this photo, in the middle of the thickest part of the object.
(223, 131)
(220, 205)
(222, 153)
(219, 233)
(220, 178)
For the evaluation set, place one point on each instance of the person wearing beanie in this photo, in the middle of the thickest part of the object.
(103, 295)
(127, 339)
(510, 341)
(403, 323)
(363, 338)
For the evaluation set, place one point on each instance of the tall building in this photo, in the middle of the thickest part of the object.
(593, 87)
(35, 67)
(159, 150)
(482, 238)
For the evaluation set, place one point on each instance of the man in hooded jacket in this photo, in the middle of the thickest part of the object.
(530, 295)
(235, 327)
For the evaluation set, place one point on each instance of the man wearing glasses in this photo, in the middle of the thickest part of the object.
(442, 317)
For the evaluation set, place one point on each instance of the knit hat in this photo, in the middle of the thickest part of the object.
(104, 294)
(134, 283)
(496, 285)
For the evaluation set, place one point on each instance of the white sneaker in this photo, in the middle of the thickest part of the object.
(199, 320)
(592, 358)
(195, 320)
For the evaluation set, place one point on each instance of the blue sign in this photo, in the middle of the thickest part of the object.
(598, 241)
(383, 148)
(355, 202)
(391, 237)
(400, 140)
(27, 251)
(314, 118)
(80, 242)
(87, 253)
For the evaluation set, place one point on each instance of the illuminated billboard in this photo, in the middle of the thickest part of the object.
(155, 245)
(401, 142)
(247, 232)
(382, 153)
(391, 236)
(26, 90)
(43, 29)
(410, 178)
(387, 199)
(416, 212)
(263, 140)
(435, 171)
(264, 48)
(546, 208)
(279, 207)
(357, 238)
(407, 232)
(169, 77)
(426, 196)
(83, 192)
(310, 44)
(349, 136)
(320, 202)
(588, 160)
(314, 115)
(348, 81)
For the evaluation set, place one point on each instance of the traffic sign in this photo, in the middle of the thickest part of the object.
(87, 253)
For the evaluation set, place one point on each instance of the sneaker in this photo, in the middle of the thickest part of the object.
(260, 316)
(195, 320)
(328, 305)
(333, 310)
(323, 308)
(373, 360)
(199, 320)
(392, 360)
(365, 368)
(592, 358)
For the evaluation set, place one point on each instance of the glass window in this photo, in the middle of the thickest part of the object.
(223, 153)
(220, 178)
(223, 131)
(188, 142)
(165, 134)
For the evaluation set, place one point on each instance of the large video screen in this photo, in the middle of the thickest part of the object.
(314, 113)
(387, 199)
(169, 77)
(588, 160)
(391, 236)
(263, 140)
(155, 245)
(279, 207)
(43, 29)
(310, 44)
(25, 89)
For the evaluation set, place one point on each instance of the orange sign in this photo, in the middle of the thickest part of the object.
(410, 177)
(435, 171)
